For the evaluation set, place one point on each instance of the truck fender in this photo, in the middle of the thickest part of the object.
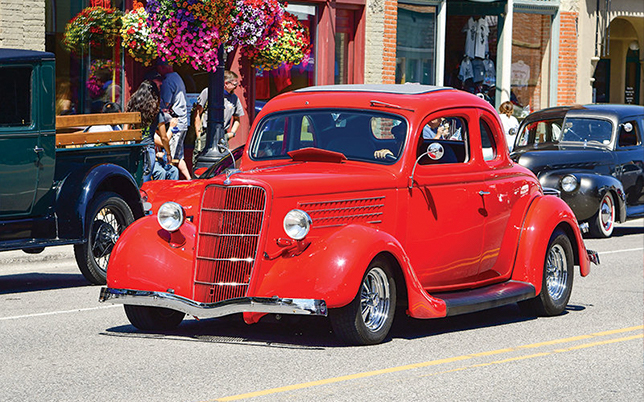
(341, 260)
(148, 257)
(75, 195)
(545, 215)
(592, 188)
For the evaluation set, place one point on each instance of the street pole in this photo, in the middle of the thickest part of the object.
(215, 132)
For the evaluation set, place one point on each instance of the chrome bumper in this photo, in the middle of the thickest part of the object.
(269, 305)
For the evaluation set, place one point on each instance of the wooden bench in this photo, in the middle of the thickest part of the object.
(69, 128)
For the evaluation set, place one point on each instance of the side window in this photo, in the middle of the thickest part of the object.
(444, 140)
(487, 142)
(15, 87)
(628, 134)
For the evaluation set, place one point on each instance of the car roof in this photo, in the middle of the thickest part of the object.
(607, 110)
(614, 111)
(404, 89)
(20, 55)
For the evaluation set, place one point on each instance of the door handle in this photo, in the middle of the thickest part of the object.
(482, 193)
(38, 150)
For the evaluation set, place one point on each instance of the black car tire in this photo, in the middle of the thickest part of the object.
(557, 278)
(108, 216)
(368, 318)
(148, 318)
(603, 222)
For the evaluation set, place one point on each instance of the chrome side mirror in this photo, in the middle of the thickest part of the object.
(628, 127)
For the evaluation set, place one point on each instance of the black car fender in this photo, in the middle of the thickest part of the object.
(584, 200)
(75, 194)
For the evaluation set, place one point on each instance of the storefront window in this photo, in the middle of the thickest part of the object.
(87, 76)
(530, 60)
(470, 53)
(416, 44)
(271, 83)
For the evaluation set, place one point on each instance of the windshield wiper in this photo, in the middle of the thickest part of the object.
(389, 105)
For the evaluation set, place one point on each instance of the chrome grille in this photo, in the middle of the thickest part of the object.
(229, 230)
(343, 212)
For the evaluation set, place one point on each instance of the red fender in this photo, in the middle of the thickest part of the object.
(545, 214)
(147, 257)
(332, 268)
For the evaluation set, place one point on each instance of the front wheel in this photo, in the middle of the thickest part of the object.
(148, 318)
(603, 222)
(368, 318)
(558, 273)
(108, 217)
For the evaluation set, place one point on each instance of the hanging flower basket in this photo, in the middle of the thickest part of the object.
(290, 47)
(136, 36)
(94, 28)
(190, 31)
(254, 23)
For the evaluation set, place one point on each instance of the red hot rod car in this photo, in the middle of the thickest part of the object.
(351, 201)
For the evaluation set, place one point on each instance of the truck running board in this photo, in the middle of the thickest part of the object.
(469, 301)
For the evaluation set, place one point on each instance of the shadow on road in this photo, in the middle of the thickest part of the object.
(315, 332)
(33, 281)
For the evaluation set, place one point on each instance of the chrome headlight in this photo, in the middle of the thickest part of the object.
(569, 183)
(171, 216)
(297, 224)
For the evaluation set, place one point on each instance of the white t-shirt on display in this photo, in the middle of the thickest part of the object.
(470, 39)
(481, 46)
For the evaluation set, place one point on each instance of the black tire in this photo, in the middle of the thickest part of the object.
(368, 318)
(108, 216)
(148, 318)
(603, 222)
(558, 275)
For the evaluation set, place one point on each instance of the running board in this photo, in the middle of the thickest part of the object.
(469, 301)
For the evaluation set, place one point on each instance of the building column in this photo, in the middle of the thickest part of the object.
(504, 56)
(441, 38)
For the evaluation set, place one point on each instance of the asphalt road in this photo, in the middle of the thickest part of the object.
(57, 343)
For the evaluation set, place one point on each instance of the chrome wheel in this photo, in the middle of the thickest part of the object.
(607, 213)
(374, 299)
(367, 319)
(556, 272)
(557, 278)
(603, 222)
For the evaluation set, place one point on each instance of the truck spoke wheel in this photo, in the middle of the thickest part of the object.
(108, 217)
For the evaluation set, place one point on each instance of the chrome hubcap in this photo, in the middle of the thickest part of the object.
(556, 272)
(607, 213)
(374, 299)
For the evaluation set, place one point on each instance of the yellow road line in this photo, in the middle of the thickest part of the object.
(453, 359)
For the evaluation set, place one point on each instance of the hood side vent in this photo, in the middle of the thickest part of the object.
(343, 212)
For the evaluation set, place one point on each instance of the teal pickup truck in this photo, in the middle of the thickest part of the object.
(58, 184)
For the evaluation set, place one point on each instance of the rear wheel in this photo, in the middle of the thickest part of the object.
(368, 318)
(148, 318)
(603, 222)
(108, 217)
(558, 273)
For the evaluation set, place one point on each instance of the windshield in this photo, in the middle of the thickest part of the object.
(585, 130)
(358, 134)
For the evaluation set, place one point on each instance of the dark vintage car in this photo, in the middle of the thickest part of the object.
(592, 155)
(341, 206)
